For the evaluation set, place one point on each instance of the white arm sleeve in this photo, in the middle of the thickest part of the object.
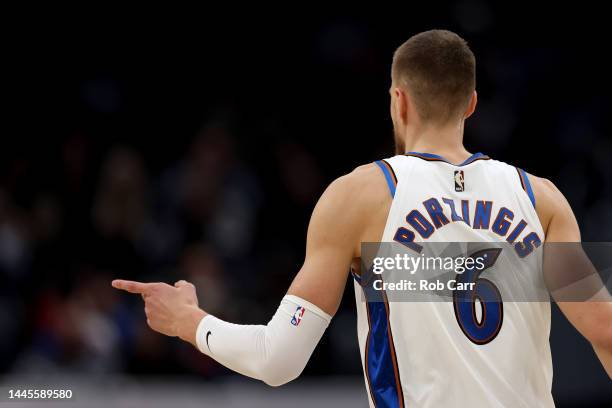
(276, 353)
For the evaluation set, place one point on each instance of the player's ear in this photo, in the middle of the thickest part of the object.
(402, 102)
(472, 105)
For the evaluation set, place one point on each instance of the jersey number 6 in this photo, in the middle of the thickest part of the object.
(485, 329)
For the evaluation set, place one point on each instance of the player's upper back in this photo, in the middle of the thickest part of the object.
(480, 199)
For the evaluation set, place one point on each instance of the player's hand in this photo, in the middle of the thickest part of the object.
(170, 310)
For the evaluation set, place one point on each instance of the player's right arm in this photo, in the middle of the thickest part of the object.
(352, 210)
(277, 352)
(592, 316)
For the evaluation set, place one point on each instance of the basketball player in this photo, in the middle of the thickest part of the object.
(412, 354)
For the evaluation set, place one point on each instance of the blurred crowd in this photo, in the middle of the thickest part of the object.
(196, 219)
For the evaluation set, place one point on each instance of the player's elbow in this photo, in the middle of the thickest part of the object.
(597, 325)
(601, 337)
(277, 381)
(277, 372)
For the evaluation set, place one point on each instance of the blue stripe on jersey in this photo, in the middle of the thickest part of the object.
(388, 176)
(472, 158)
(380, 371)
(431, 156)
(528, 188)
(428, 155)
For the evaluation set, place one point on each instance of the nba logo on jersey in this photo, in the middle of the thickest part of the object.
(459, 181)
(297, 316)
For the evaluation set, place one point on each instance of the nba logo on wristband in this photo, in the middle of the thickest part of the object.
(297, 316)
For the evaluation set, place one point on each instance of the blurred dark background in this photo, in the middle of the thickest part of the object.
(166, 148)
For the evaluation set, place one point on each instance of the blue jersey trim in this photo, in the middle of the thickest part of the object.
(435, 157)
(472, 158)
(383, 379)
(427, 155)
(391, 181)
(528, 188)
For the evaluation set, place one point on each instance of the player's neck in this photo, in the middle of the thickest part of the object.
(446, 142)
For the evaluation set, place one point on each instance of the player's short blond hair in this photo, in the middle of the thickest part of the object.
(438, 70)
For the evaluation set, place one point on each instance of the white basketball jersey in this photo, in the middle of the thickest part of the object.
(417, 354)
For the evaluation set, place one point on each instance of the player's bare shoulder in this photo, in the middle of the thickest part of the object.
(550, 202)
(366, 190)
(354, 207)
(372, 187)
(369, 194)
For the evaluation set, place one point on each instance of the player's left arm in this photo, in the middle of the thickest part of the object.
(275, 353)
(571, 278)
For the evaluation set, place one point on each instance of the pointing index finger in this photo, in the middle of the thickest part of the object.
(131, 286)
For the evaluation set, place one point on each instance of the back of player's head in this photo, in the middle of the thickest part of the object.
(438, 70)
